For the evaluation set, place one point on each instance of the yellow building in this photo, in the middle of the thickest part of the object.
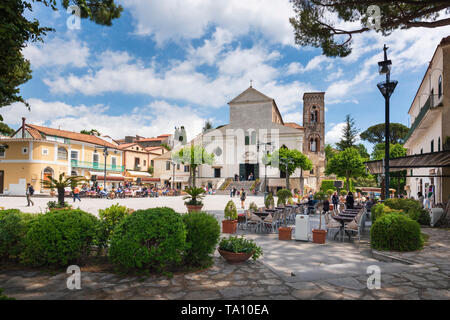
(36, 152)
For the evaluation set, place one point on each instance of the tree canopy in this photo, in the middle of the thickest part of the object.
(316, 21)
(349, 134)
(17, 31)
(5, 129)
(375, 134)
(348, 164)
(92, 132)
(291, 158)
(395, 151)
(194, 156)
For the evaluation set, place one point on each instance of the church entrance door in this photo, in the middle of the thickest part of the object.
(245, 169)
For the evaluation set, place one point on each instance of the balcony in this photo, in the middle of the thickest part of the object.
(433, 102)
(95, 166)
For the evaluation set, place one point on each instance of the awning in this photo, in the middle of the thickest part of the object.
(149, 179)
(439, 159)
(109, 177)
(139, 174)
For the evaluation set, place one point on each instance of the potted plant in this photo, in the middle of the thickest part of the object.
(238, 249)
(284, 232)
(55, 206)
(229, 225)
(269, 202)
(320, 235)
(194, 195)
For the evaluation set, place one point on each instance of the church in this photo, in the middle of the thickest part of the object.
(256, 128)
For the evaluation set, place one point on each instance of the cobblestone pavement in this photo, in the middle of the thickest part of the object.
(428, 278)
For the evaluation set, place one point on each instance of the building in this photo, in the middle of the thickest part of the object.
(255, 120)
(430, 130)
(164, 139)
(35, 153)
(167, 171)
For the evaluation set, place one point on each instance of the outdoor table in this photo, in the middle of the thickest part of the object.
(342, 220)
(270, 210)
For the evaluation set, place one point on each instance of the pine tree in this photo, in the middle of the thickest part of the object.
(349, 135)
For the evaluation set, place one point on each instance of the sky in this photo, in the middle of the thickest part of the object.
(171, 63)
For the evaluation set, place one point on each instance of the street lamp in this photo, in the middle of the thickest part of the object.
(386, 88)
(173, 174)
(105, 155)
(267, 147)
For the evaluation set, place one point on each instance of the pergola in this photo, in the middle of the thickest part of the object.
(439, 159)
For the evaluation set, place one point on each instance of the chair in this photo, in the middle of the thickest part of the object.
(331, 223)
(242, 221)
(269, 222)
(256, 221)
(355, 225)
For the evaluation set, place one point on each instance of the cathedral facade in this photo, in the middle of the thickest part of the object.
(256, 128)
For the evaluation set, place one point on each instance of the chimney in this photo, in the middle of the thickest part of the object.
(23, 127)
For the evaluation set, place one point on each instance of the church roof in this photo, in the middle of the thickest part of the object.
(250, 95)
(293, 125)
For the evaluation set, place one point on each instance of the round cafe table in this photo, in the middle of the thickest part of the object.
(342, 220)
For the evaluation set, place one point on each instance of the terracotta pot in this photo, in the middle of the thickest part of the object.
(285, 233)
(229, 226)
(192, 207)
(232, 257)
(319, 236)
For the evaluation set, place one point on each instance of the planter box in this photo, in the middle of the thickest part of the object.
(229, 226)
(192, 207)
(319, 236)
(285, 233)
(233, 257)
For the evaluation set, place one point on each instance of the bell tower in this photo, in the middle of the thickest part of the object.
(314, 122)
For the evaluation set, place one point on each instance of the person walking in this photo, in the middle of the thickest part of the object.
(420, 198)
(243, 196)
(234, 191)
(29, 193)
(76, 194)
(335, 200)
(231, 192)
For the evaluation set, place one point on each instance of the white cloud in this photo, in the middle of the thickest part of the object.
(159, 117)
(190, 19)
(334, 134)
(58, 52)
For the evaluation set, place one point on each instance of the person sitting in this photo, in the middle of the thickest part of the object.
(349, 200)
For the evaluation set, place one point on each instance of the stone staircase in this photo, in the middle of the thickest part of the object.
(246, 185)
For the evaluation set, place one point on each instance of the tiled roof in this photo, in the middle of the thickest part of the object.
(164, 135)
(34, 133)
(126, 145)
(293, 125)
(445, 41)
(69, 135)
(150, 139)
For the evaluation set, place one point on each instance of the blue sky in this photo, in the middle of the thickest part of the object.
(171, 63)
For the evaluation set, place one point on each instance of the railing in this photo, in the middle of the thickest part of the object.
(433, 101)
(95, 165)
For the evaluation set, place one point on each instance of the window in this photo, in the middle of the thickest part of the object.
(216, 172)
(145, 163)
(62, 153)
(439, 144)
(2, 153)
(167, 165)
(178, 166)
(113, 162)
(24, 150)
(432, 146)
(421, 151)
(95, 160)
(186, 168)
(247, 139)
(314, 114)
(152, 163)
(74, 156)
(253, 140)
(73, 173)
(440, 87)
(137, 162)
(45, 152)
(312, 171)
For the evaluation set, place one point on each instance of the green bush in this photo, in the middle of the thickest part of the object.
(381, 209)
(327, 185)
(230, 211)
(13, 229)
(202, 236)
(321, 196)
(395, 232)
(110, 217)
(411, 207)
(149, 239)
(330, 192)
(4, 297)
(343, 193)
(240, 245)
(59, 238)
(253, 207)
(269, 202)
(283, 195)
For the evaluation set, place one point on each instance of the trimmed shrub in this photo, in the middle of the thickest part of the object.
(13, 229)
(327, 185)
(343, 193)
(149, 239)
(381, 209)
(269, 202)
(202, 236)
(283, 195)
(110, 217)
(412, 208)
(330, 192)
(253, 207)
(395, 232)
(59, 238)
(230, 211)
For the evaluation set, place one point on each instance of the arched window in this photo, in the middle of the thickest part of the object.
(314, 114)
(47, 173)
(62, 153)
(440, 87)
(314, 144)
(73, 173)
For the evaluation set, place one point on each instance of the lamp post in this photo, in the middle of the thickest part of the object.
(266, 146)
(386, 88)
(173, 174)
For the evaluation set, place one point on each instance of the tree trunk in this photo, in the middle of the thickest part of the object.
(61, 196)
(193, 176)
(302, 182)
(287, 182)
(347, 176)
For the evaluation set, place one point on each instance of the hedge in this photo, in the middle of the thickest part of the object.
(149, 239)
(395, 232)
(329, 185)
(410, 207)
(60, 238)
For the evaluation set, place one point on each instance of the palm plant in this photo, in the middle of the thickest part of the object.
(61, 184)
(195, 195)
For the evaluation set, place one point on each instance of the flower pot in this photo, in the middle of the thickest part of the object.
(233, 257)
(319, 236)
(229, 226)
(285, 233)
(194, 207)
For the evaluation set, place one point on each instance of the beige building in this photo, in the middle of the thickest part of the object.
(430, 126)
(167, 171)
(36, 152)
